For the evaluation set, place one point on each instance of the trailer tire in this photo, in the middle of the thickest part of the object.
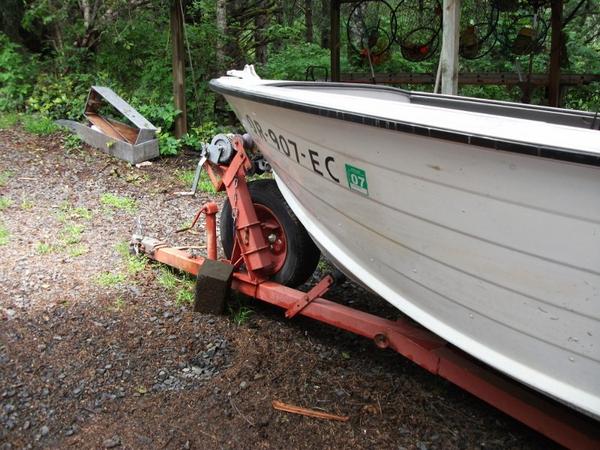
(301, 254)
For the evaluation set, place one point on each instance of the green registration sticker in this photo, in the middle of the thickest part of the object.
(357, 179)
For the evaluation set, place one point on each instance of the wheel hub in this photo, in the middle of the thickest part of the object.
(274, 235)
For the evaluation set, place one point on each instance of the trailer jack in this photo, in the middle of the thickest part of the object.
(253, 260)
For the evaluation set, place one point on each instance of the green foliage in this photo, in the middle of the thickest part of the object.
(17, 72)
(4, 234)
(38, 124)
(184, 296)
(186, 177)
(241, 314)
(5, 202)
(181, 285)
(292, 61)
(118, 304)
(5, 176)
(108, 279)
(118, 202)
(77, 250)
(71, 234)
(61, 96)
(27, 204)
(239, 311)
(43, 248)
(168, 145)
(8, 120)
(167, 278)
(133, 263)
(126, 45)
(72, 142)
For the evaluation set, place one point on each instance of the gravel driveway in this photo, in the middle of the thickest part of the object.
(100, 350)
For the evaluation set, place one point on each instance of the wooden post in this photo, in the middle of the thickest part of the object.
(449, 53)
(334, 41)
(555, 46)
(178, 67)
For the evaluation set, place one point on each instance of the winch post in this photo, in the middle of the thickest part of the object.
(252, 245)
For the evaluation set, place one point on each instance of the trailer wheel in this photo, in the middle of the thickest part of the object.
(295, 254)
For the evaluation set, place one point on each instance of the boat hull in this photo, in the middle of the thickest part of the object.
(496, 252)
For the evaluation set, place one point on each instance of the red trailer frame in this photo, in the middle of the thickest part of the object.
(251, 261)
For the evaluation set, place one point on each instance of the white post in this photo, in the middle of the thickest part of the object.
(449, 54)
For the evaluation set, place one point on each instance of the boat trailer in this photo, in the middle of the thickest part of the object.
(250, 264)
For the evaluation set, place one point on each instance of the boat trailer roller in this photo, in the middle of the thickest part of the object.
(255, 256)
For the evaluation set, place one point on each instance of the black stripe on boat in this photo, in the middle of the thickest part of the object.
(552, 115)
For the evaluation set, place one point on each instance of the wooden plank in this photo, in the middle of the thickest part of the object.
(105, 126)
(130, 134)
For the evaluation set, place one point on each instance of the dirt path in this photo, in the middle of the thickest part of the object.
(98, 350)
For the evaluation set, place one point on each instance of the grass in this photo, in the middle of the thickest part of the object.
(184, 297)
(5, 202)
(5, 175)
(4, 235)
(137, 179)
(68, 212)
(241, 315)
(239, 312)
(186, 177)
(37, 124)
(27, 204)
(72, 142)
(134, 264)
(118, 304)
(167, 279)
(77, 250)
(8, 120)
(183, 286)
(71, 233)
(108, 279)
(118, 202)
(43, 248)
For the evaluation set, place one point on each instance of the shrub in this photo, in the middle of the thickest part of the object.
(60, 97)
(16, 75)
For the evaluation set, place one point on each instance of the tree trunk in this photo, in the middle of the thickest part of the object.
(260, 22)
(308, 20)
(178, 67)
(221, 19)
(324, 28)
(232, 47)
(11, 15)
(555, 47)
(279, 18)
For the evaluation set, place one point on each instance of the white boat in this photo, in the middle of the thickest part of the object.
(478, 219)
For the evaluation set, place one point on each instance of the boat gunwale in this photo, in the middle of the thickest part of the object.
(478, 140)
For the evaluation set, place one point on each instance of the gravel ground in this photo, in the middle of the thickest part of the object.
(97, 351)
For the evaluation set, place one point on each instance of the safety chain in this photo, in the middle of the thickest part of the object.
(234, 208)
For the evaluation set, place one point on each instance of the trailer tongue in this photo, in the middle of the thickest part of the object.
(263, 249)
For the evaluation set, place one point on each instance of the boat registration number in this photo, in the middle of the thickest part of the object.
(323, 165)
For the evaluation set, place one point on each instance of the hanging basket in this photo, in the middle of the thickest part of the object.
(469, 43)
(524, 42)
(420, 44)
(366, 30)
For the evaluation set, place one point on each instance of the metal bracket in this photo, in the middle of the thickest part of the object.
(317, 291)
(201, 163)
